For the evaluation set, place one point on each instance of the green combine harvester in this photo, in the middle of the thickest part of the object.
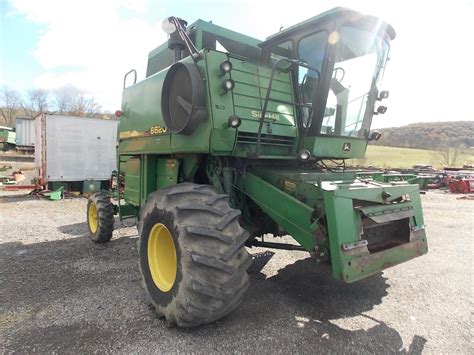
(229, 138)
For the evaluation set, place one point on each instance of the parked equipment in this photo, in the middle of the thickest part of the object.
(230, 138)
(7, 138)
(461, 185)
(25, 134)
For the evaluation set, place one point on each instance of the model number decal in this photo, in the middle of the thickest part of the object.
(272, 116)
(158, 130)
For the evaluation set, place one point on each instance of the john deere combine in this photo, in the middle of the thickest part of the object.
(229, 138)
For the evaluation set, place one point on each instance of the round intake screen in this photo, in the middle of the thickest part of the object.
(183, 99)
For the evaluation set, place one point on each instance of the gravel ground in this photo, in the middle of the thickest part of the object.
(61, 293)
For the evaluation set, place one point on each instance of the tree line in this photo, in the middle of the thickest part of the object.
(432, 135)
(67, 100)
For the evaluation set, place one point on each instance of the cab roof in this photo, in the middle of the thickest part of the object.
(338, 13)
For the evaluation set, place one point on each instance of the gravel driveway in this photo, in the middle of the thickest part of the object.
(60, 292)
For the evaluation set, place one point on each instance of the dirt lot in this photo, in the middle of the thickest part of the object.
(60, 292)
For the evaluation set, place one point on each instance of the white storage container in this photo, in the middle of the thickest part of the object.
(72, 148)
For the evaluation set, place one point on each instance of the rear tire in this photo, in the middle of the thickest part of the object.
(202, 276)
(100, 217)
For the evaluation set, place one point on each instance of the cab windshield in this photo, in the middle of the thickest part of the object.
(360, 57)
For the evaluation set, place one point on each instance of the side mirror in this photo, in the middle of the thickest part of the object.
(375, 136)
(383, 95)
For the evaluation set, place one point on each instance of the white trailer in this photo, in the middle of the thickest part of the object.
(25, 128)
(74, 149)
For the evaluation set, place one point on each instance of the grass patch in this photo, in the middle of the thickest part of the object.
(391, 157)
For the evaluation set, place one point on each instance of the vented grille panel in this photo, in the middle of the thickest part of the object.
(266, 139)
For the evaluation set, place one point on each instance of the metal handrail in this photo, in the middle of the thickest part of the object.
(125, 77)
(267, 97)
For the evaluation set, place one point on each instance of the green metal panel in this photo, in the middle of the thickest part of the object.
(158, 144)
(365, 264)
(334, 147)
(344, 227)
(141, 107)
(126, 211)
(57, 194)
(198, 142)
(246, 101)
(368, 191)
(418, 221)
(132, 170)
(251, 84)
(221, 105)
(148, 175)
(293, 215)
(222, 141)
(166, 172)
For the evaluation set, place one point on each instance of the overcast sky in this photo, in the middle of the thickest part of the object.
(90, 44)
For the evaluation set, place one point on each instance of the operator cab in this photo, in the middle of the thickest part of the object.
(345, 54)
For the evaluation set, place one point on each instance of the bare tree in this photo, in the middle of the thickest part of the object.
(10, 105)
(85, 106)
(38, 101)
(64, 99)
(72, 101)
(448, 156)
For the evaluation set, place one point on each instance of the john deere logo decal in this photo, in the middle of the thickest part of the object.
(346, 147)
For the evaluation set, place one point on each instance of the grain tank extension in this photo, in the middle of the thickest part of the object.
(229, 138)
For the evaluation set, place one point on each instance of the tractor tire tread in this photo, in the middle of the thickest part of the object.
(214, 256)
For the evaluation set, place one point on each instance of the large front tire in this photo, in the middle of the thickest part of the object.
(192, 255)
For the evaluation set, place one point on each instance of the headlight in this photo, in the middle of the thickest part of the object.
(304, 154)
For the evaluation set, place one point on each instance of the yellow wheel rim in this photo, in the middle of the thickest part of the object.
(162, 257)
(93, 217)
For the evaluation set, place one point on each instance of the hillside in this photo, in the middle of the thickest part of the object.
(429, 135)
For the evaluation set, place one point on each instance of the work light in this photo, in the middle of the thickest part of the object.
(234, 121)
(225, 66)
(168, 26)
(228, 85)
